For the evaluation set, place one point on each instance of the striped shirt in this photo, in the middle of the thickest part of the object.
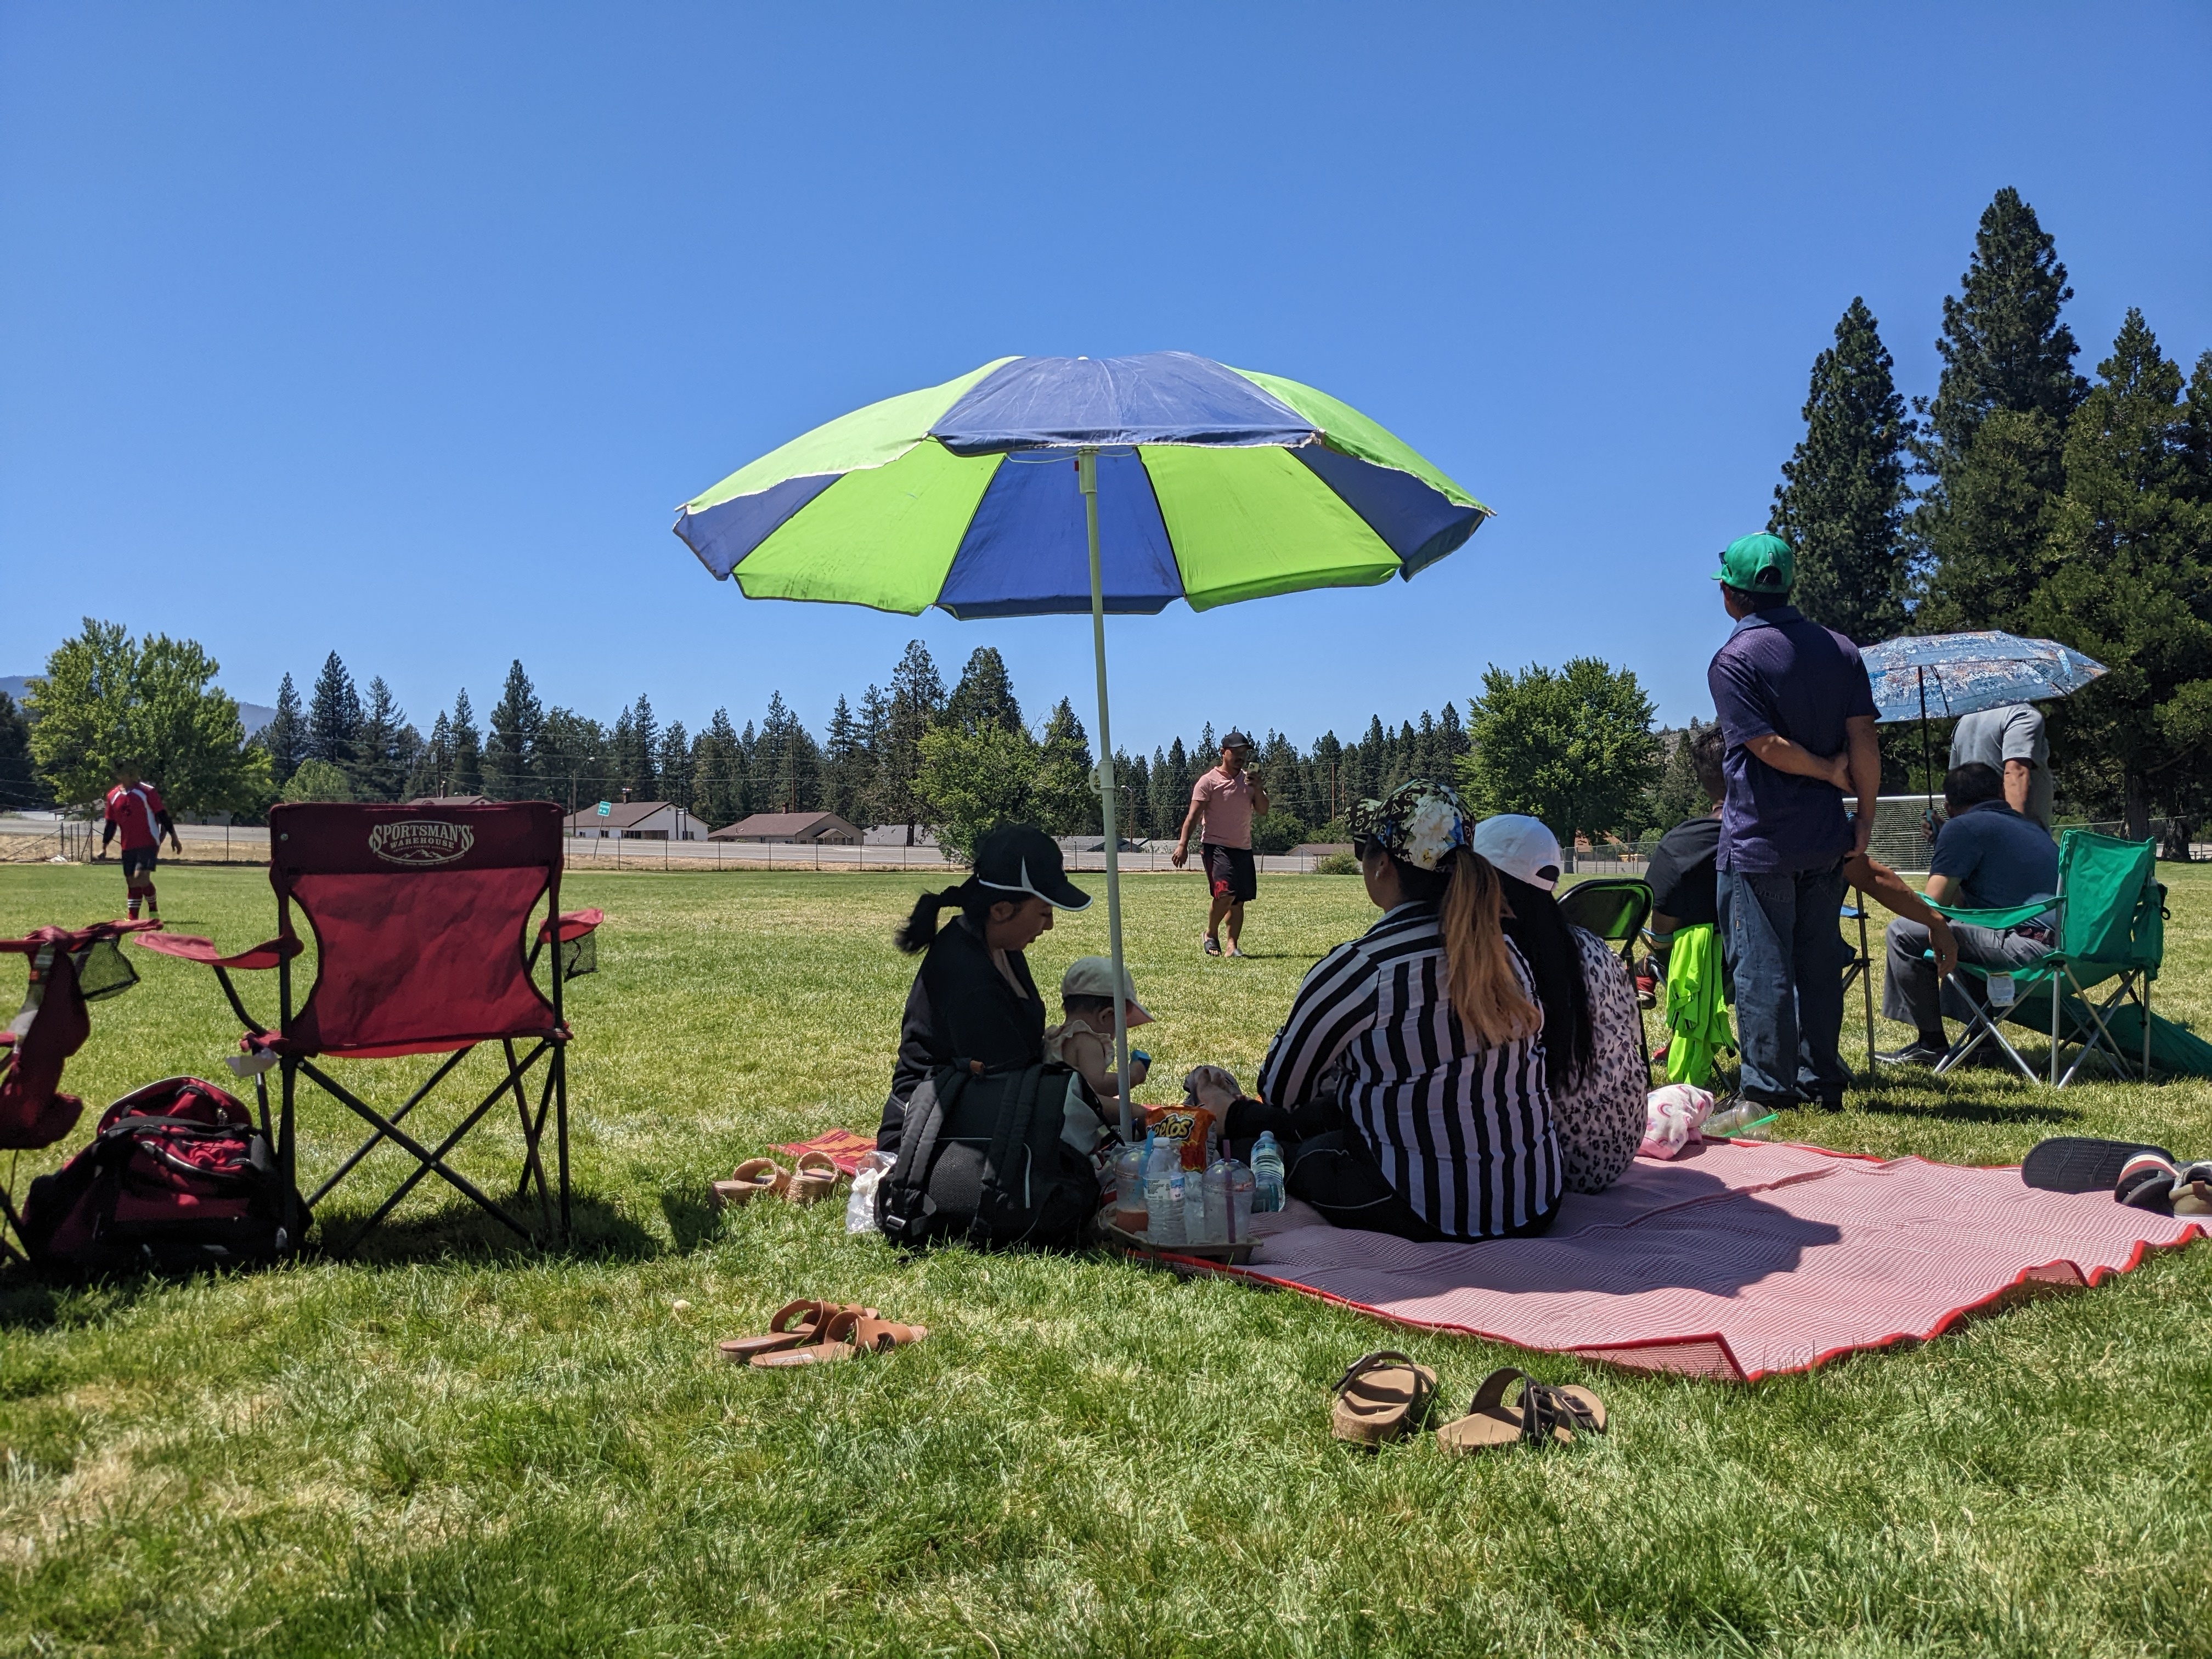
(1463, 1134)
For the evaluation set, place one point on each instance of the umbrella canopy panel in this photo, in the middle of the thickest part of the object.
(1966, 673)
(1214, 484)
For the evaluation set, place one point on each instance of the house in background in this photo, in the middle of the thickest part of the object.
(451, 800)
(633, 820)
(802, 828)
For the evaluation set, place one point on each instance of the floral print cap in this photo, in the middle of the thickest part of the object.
(1420, 822)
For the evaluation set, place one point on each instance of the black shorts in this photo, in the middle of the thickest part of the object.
(1230, 872)
(141, 862)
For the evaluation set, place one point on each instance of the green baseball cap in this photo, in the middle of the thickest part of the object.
(1758, 564)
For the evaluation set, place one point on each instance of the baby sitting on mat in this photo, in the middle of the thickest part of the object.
(1083, 1039)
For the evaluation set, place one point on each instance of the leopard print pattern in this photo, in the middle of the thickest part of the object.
(1601, 1118)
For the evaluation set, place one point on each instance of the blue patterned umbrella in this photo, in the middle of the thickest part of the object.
(1922, 676)
(1939, 676)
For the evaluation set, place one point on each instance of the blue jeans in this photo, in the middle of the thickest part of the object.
(1786, 956)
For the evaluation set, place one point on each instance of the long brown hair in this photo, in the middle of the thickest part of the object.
(1479, 979)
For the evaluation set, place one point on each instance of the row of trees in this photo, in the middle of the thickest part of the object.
(2024, 497)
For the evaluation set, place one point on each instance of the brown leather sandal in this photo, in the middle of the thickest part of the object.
(814, 1178)
(1545, 1414)
(795, 1322)
(751, 1179)
(849, 1331)
(1380, 1396)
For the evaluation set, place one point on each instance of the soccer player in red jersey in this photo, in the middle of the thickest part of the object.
(136, 809)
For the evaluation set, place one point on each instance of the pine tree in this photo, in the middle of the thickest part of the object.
(1677, 796)
(637, 746)
(385, 748)
(672, 762)
(285, 737)
(468, 748)
(1133, 777)
(916, 702)
(433, 762)
(1164, 812)
(571, 759)
(844, 764)
(1841, 503)
(334, 715)
(510, 752)
(1993, 481)
(21, 786)
(2131, 585)
(985, 696)
(1066, 795)
(718, 776)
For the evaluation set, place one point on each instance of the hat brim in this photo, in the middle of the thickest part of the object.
(1136, 1013)
(1059, 892)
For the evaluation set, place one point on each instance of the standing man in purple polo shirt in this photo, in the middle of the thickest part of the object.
(1798, 714)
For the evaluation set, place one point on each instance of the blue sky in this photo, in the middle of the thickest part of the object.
(400, 331)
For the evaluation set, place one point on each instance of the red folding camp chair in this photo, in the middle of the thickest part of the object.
(69, 967)
(422, 922)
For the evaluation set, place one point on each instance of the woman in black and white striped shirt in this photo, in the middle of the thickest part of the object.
(1428, 1032)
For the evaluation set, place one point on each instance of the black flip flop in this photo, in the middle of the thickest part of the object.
(2076, 1163)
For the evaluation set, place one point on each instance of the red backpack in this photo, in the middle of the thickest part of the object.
(178, 1177)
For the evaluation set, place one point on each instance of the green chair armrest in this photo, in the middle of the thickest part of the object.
(2012, 916)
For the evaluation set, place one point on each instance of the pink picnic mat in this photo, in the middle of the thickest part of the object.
(1738, 1261)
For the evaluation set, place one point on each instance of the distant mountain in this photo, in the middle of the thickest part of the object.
(256, 715)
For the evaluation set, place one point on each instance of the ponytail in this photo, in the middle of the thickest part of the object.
(1480, 981)
(920, 928)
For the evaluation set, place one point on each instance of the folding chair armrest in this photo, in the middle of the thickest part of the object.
(575, 924)
(190, 948)
(1995, 920)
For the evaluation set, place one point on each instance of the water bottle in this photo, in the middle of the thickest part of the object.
(1267, 1173)
(1237, 1188)
(1214, 1184)
(1130, 1213)
(1163, 1193)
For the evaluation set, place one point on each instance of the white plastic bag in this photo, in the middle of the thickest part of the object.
(860, 1202)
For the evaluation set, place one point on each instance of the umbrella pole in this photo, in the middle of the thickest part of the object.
(1927, 755)
(1086, 480)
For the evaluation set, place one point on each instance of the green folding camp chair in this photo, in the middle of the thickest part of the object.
(2109, 919)
(1615, 908)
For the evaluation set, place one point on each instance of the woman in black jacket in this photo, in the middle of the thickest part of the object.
(973, 1000)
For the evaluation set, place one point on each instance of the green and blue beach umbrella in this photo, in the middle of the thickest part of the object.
(1213, 484)
(1041, 486)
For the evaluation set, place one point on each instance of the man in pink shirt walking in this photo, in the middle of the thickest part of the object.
(1226, 797)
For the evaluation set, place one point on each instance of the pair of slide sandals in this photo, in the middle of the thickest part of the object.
(818, 1334)
(1384, 1395)
(811, 1180)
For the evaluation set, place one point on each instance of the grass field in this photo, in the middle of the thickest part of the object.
(445, 1448)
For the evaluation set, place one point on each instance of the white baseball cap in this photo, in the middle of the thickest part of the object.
(1093, 976)
(1521, 847)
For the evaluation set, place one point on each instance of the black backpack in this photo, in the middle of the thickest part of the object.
(178, 1177)
(981, 1157)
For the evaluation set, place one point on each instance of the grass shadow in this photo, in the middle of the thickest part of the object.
(691, 1215)
(597, 1229)
(1946, 1109)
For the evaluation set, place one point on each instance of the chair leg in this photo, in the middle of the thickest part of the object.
(1865, 965)
(530, 1163)
(15, 1225)
(561, 1123)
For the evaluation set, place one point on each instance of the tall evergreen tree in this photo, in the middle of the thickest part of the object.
(637, 747)
(21, 786)
(2131, 585)
(718, 773)
(672, 762)
(468, 748)
(384, 751)
(844, 764)
(285, 737)
(510, 749)
(334, 715)
(433, 762)
(915, 702)
(1995, 433)
(1841, 503)
(985, 696)
(1066, 796)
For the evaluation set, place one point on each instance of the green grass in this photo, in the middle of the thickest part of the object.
(450, 1448)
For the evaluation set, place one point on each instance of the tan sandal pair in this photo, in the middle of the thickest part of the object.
(1384, 1395)
(811, 1180)
(819, 1333)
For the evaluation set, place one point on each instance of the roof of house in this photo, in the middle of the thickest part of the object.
(451, 800)
(778, 823)
(621, 815)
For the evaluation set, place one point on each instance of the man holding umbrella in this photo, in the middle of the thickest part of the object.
(1226, 797)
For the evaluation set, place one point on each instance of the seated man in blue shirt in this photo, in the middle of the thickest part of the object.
(1987, 857)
